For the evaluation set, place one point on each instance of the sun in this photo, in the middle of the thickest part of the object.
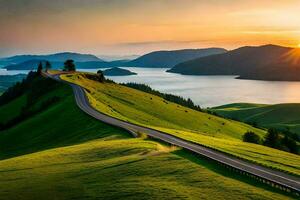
(298, 45)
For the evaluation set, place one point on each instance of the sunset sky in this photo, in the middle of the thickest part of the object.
(125, 27)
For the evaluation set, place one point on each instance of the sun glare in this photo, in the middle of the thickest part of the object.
(298, 45)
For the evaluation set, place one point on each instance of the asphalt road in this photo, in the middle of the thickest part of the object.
(276, 177)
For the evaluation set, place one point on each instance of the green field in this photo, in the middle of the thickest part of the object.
(281, 116)
(152, 111)
(12, 109)
(61, 153)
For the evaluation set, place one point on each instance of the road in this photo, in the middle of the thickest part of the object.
(276, 177)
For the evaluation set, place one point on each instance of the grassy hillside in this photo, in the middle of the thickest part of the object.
(41, 131)
(69, 155)
(12, 109)
(281, 116)
(118, 169)
(152, 111)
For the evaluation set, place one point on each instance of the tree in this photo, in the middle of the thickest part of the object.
(69, 65)
(290, 144)
(251, 137)
(40, 68)
(48, 65)
(272, 138)
(101, 76)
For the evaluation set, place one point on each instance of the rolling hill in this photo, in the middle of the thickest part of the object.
(154, 112)
(58, 57)
(63, 153)
(168, 59)
(32, 64)
(268, 62)
(281, 116)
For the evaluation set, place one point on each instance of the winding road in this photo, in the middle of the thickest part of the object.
(283, 180)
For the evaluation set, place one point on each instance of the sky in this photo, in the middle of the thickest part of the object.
(130, 27)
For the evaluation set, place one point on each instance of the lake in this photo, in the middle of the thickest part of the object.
(208, 91)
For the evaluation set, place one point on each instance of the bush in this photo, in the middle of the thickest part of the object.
(251, 137)
(99, 77)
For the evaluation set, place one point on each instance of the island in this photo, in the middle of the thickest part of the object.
(116, 71)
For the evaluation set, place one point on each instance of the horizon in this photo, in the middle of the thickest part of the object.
(107, 56)
(132, 27)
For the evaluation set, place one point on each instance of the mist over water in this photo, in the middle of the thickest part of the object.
(208, 91)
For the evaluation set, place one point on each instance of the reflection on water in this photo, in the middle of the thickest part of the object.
(210, 91)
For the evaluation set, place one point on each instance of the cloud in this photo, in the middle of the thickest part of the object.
(161, 42)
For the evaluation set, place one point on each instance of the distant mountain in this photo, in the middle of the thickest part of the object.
(32, 64)
(169, 59)
(58, 57)
(101, 64)
(268, 62)
(116, 71)
(86, 61)
(117, 57)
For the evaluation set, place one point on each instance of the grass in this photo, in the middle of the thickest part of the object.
(149, 110)
(118, 168)
(12, 109)
(281, 116)
(55, 127)
(62, 153)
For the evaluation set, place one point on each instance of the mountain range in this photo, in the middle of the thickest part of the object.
(58, 57)
(268, 62)
(168, 59)
(87, 61)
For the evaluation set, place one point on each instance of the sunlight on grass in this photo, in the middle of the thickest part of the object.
(113, 169)
(215, 132)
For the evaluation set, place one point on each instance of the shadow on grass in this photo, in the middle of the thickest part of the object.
(222, 170)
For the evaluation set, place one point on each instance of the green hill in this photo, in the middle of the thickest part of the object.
(62, 153)
(54, 127)
(152, 111)
(280, 116)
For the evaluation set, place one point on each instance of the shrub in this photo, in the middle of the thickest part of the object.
(251, 137)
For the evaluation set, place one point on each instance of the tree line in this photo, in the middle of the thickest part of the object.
(69, 65)
(275, 139)
(169, 97)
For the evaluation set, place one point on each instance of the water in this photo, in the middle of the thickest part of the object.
(208, 91)
(12, 72)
